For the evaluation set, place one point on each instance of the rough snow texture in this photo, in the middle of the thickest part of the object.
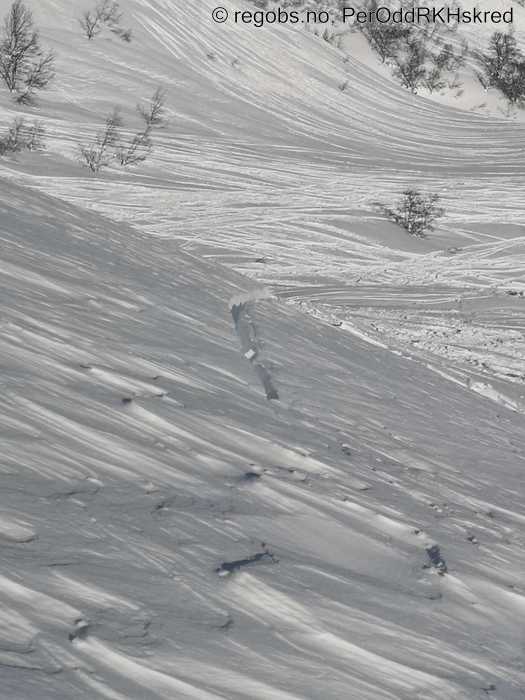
(205, 492)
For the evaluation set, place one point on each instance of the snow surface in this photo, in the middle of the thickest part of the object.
(205, 491)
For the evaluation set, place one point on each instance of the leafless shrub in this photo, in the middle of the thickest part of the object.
(97, 155)
(501, 52)
(24, 66)
(418, 55)
(136, 151)
(153, 116)
(124, 34)
(34, 136)
(154, 112)
(91, 24)
(385, 38)
(113, 143)
(416, 212)
(109, 12)
(445, 63)
(409, 63)
(105, 14)
(512, 83)
(22, 137)
(503, 67)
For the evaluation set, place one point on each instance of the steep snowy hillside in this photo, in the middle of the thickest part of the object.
(141, 455)
(268, 166)
(205, 492)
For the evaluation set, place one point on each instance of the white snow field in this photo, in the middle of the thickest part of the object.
(257, 442)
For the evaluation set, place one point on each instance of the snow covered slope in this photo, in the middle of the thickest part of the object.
(206, 493)
(140, 454)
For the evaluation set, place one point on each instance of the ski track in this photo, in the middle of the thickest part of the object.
(139, 448)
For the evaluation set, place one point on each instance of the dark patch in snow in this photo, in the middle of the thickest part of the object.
(228, 567)
(162, 505)
(80, 631)
(228, 624)
(86, 487)
(436, 560)
(251, 476)
(250, 346)
(266, 379)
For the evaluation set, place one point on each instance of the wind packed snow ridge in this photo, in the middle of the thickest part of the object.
(258, 443)
(242, 314)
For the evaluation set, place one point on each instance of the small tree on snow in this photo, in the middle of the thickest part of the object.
(34, 136)
(384, 37)
(502, 52)
(409, 63)
(96, 156)
(153, 115)
(503, 67)
(154, 112)
(91, 24)
(105, 13)
(12, 141)
(24, 66)
(512, 83)
(110, 143)
(416, 212)
(22, 137)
